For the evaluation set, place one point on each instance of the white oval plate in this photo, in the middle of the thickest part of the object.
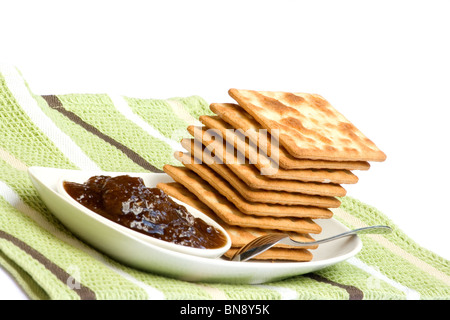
(138, 253)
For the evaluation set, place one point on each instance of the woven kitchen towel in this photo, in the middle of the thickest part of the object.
(116, 133)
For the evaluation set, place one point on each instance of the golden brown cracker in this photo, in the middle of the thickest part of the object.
(251, 176)
(240, 236)
(238, 118)
(278, 254)
(214, 126)
(231, 186)
(307, 126)
(229, 213)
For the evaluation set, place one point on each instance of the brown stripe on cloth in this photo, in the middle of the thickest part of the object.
(84, 292)
(56, 104)
(353, 292)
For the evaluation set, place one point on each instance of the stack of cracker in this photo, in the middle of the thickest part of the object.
(273, 162)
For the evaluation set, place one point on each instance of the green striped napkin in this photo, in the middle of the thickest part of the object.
(117, 133)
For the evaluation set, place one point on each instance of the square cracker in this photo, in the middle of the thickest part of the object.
(226, 182)
(253, 178)
(265, 165)
(278, 254)
(308, 126)
(229, 213)
(240, 236)
(238, 118)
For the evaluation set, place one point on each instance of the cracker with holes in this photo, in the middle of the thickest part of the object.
(307, 126)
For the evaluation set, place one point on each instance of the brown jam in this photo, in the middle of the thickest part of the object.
(127, 201)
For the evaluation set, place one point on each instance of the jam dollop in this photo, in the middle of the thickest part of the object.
(127, 201)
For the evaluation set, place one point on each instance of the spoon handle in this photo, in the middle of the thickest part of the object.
(363, 230)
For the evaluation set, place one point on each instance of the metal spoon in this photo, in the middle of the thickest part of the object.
(263, 243)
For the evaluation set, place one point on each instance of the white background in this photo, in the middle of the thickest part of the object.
(384, 64)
